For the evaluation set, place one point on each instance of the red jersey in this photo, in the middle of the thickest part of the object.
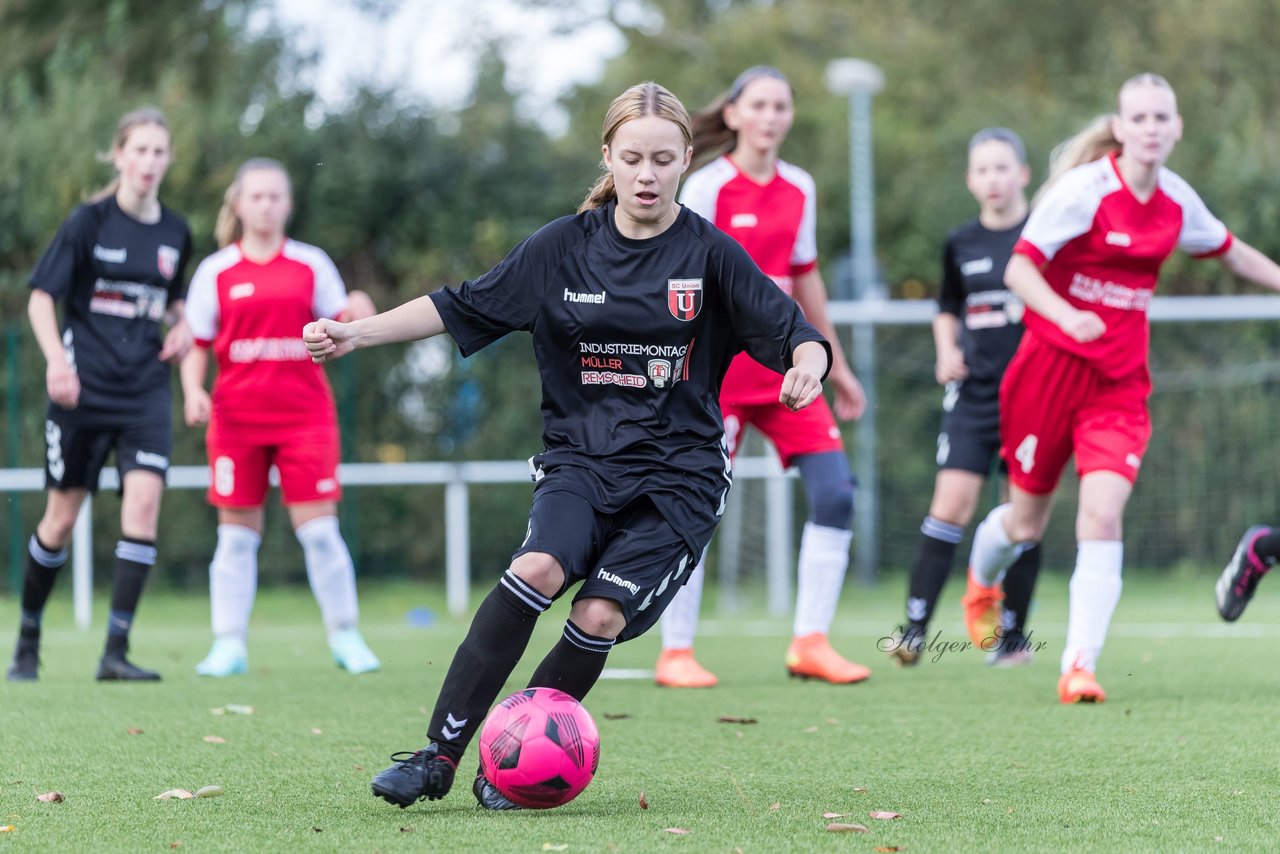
(1101, 249)
(776, 222)
(252, 314)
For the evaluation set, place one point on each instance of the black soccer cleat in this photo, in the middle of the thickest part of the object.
(422, 774)
(114, 667)
(1240, 577)
(26, 661)
(489, 797)
(907, 646)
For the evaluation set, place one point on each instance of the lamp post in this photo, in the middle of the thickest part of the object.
(860, 80)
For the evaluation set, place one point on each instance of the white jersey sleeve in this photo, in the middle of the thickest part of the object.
(1069, 207)
(1202, 232)
(805, 252)
(201, 308)
(702, 188)
(330, 298)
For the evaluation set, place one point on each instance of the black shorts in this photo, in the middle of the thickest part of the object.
(77, 443)
(633, 557)
(970, 436)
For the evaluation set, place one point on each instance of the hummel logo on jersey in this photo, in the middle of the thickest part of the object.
(111, 256)
(572, 296)
(1118, 238)
(684, 298)
(452, 727)
(1133, 460)
(605, 575)
(977, 267)
(240, 291)
(743, 220)
(155, 461)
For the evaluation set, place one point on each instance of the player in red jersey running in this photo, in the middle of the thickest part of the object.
(1086, 267)
(769, 206)
(271, 405)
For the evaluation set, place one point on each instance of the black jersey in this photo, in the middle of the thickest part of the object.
(632, 339)
(115, 276)
(973, 289)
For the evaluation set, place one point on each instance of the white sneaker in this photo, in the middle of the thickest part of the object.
(352, 653)
(227, 657)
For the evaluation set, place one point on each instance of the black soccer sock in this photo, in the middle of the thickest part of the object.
(1019, 585)
(134, 559)
(1267, 548)
(43, 564)
(938, 541)
(499, 633)
(574, 663)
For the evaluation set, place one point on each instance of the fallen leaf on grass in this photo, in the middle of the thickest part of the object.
(210, 792)
(406, 830)
(774, 807)
(555, 846)
(884, 815)
(176, 844)
(733, 719)
(846, 828)
(616, 716)
(133, 730)
(51, 797)
(215, 739)
(644, 802)
(889, 848)
(986, 800)
(239, 709)
(811, 729)
(834, 814)
(173, 794)
(219, 711)
(860, 789)
(678, 831)
(6, 828)
(318, 829)
(315, 730)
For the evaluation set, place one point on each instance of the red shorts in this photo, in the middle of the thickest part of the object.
(239, 459)
(1053, 403)
(812, 430)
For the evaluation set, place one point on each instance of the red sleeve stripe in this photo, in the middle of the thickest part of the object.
(801, 269)
(1026, 247)
(1221, 250)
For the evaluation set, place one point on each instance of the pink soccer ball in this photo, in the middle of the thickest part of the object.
(540, 747)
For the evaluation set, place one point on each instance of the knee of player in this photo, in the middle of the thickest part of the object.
(540, 571)
(1099, 523)
(599, 617)
(833, 507)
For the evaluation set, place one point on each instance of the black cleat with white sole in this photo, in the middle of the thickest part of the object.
(1240, 577)
(418, 775)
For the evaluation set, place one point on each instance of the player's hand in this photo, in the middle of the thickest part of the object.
(327, 340)
(63, 385)
(800, 387)
(950, 366)
(359, 306)
(851, 400)
(1083, 326)
(196, 406)
(177, 342)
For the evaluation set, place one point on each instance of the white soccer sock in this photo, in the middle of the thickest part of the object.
(824, 557)
(680, 620)
(992, 552)
(233, 580)
(331, 572)
(1095, 590)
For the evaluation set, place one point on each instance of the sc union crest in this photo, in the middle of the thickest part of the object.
(684, 298)
(167, 261)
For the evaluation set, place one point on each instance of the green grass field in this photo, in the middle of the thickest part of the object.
(1183, 756)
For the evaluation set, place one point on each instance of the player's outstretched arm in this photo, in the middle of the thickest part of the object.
(327, 340)
(803, 381)
(1248, 263)
(1029, 285)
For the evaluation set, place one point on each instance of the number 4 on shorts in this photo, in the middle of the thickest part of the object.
(1026, 453)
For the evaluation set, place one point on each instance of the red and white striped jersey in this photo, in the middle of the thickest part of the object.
(252, 315)
(1101, 250)
(776, 222)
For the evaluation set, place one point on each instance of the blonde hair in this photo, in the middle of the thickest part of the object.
(1097, 139)
(229, 229)
(129, 121)
(711, 136)
(643, 99)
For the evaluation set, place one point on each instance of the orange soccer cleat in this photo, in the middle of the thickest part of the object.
(982, 612)
(1080, 686)
(811, 657)
(677, 668)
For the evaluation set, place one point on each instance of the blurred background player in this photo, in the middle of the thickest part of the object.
(117, 267)
(636, 306)
(975, 332)
(1086, 267)
(769, 206)
(271, 405)
(1257, 552)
